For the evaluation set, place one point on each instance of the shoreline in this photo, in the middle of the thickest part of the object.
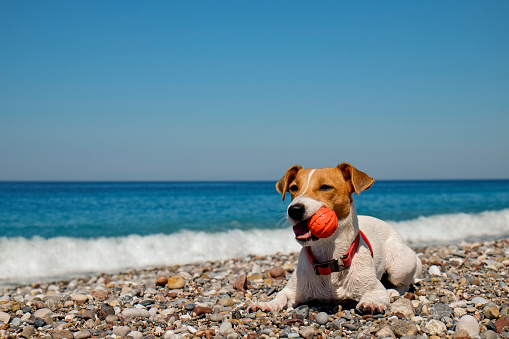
(464, 293)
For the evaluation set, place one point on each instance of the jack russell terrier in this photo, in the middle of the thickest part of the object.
(351, 263)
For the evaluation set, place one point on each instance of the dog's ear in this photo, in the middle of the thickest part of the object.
(358, 180)
(282, 185)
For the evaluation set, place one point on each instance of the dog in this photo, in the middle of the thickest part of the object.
(350, 264)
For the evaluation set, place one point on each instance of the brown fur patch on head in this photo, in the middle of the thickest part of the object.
(331, 186)
(283, 184)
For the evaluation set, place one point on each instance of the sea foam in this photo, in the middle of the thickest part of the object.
(24, 260)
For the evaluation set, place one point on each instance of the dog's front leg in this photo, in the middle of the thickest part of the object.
(376, 299)
(285, 298)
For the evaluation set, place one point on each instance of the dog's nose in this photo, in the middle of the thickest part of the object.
(296, 212)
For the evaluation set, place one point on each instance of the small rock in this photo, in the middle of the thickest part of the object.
(225, 328)
(135, 335)
(79, 298)
(226, 301)
(403, 306)
(175, 282)
(100, 295)
(216, 317)
(111, 319)
(440, 311)
(121, 331)
(469, 324)
(491, 310)
(322, 318)
(434, 270)
(241, 283)
(385, 332)
(65, 334)
(38, 322)
(403, 328)
(502, 324)
(28, 331)
(43, 313)
(460, 334)
(4, 317)
(435, 327)
(277, 272)
(161, 280)
(136, 312)
(480, 301)
(198, 310)
(489, 335)
(307, 332)
(232, 335)
(83, 334)
(105, 311)
(302, 311)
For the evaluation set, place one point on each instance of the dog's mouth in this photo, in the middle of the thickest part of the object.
(302, 232)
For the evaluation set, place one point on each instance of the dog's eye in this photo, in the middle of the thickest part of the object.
(294, 188)
(326, 188)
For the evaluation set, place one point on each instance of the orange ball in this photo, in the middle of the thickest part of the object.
(323, 223)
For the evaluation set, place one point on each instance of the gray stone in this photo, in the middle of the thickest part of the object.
(302, 311)
(4, 317)
(403, 328)
(469, 324)
(435, 327)
(385, 332)
(440, 311)
(42, 313)
(232, 335)
(480, 301)
(225, 328)
(403, 306)
(121, 331)
(136, 312)
(16, 322)
(322, 318)
(489, 335)
(135, 335)
(83, 334)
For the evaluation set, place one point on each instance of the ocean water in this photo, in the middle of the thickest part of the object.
(58, 230)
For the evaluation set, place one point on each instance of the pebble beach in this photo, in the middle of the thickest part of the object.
(463, 294)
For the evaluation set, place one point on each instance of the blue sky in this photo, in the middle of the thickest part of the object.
(242, 90)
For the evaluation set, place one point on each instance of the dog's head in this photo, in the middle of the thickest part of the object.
(311, 189)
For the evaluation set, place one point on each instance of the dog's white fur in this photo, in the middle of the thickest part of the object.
(361, 281)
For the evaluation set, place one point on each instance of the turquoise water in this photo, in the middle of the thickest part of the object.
(91, 210)
(48, 226)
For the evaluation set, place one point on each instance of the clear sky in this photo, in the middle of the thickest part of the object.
(242, 90)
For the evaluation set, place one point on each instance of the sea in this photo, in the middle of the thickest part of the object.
(58, 230)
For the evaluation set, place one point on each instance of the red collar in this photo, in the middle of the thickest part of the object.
(327, 267)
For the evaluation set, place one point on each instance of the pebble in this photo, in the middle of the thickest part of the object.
(322, 318)
(4, 317)
(402, 328)
(435, 327)
(434, 270)
(307, 332)
(469, 324)
(175, 282)
(402, 306)
(136, 312)
(211, 300)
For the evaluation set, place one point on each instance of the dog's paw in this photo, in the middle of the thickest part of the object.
(371, 308)
(264, 307)
(374, 302)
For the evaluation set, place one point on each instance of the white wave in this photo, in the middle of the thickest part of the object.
(448, 228)
(24, 260)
